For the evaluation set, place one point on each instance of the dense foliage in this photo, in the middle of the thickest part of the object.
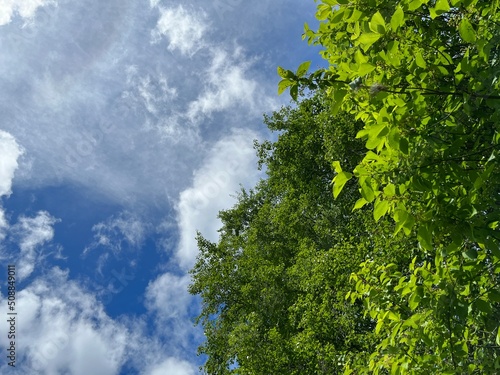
(400, 273)
(423, 77)
(274, 285)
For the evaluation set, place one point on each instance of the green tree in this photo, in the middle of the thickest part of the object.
(422, 76)
(274, 286)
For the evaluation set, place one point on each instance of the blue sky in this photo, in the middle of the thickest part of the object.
(126, 126)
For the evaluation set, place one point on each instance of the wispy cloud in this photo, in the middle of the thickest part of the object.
(227, 85)
(117, 231)
(31, 233)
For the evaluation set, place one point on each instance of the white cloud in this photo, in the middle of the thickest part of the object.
(3, 225)
(113, 233)
(231, 162)
(171, 306)
(65, 330)
(25, 8)
(155, 93)
(172, 366)
(110, 111)
(227, 85)
(168, 296)
(183, 28)
(152, 89)
(31, 233)
(10, 151)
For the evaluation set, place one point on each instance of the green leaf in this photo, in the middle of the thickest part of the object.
(400, 217)
(360, 203)
(380, 208)
(390, 190)
(336, 166)
(424, 236)
(376, 135)
(441, 7)
(323, 12)
(338, 97)
(415, 4)
(408, 224)
(483, 306)
(374, 142)
(471, 253)
(367, 39)
(365, 68)
(367, 190)
(498, 336)
(393, 138)
(339, 182)
(494, 296)
(377, 24)
(294, 92)
(303, 68)
(393, 316)
(285, 73)
(467, 31)
(412, 321)
(283, 84)
(403, 145)
(416, 297)
(397, 19)
(420, 60)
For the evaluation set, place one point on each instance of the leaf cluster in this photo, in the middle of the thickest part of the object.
(422, 77)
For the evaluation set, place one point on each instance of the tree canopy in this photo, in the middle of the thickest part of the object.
(398, 271)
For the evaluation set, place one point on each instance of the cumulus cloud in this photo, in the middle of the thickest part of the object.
(183, 28)
(231, 162)
(171, 306)
(65, 330)
(25, 8)
(172, 366)
(10, 151)
(168, 296)
(31, 233)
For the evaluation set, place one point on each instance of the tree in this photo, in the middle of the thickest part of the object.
(274, 286)
(422, 77)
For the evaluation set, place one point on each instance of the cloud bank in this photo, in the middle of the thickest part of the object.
(230, 164)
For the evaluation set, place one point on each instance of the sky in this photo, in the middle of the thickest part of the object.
(125, 126)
